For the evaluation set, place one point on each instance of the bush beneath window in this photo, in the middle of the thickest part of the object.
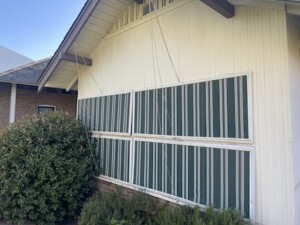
(112, 208)
(45, 169)
(108, 209)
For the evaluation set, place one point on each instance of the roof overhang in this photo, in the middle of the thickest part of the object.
(96, 19)
(89, 28)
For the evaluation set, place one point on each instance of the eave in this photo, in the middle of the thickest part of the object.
(89, 28)
(93, 24)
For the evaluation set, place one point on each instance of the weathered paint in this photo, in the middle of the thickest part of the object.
(203, 45)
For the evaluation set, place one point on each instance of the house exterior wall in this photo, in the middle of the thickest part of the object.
(204, 45)
(294, 72)
(28, 100)
(4, 104)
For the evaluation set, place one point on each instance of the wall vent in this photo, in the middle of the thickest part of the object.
(148, 8)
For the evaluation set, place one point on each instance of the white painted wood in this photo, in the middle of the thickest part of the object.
(204, 45)
(72, 83)
(12, 108)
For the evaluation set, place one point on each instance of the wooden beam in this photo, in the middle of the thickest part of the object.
(72, 83)
(139, 1)
(78, 59)
(223, 7)
(69, 39)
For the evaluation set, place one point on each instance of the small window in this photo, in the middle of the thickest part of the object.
(45, 109)
(148, 8)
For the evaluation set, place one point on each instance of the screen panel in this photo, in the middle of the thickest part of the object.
(113, 157)
(208, 176)
(106, 113)
(217, 109)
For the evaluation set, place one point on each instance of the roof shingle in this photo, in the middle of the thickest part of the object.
(27, 74)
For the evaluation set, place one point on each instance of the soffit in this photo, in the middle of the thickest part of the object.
(97, 26)
(105, 16)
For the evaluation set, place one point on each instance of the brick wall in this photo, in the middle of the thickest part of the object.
(106, 187)
(4, 104)
(28, 100)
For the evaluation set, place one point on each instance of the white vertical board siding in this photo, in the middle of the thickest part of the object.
(294, 71)
(205, 45)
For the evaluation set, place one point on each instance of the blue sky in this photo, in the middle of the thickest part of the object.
(35, 28)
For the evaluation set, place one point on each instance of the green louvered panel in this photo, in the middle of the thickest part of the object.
(203, 175)
(216, 108)
(113, 157)
(106, 113)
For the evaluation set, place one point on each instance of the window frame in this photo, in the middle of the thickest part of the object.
(45, 106)
(111, 133)
(176, 199)
(211, 142)
(248, 140)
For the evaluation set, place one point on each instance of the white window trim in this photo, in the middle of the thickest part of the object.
(173, 198)
(46, 106)
(12, 108)
(227, 143)
(247, 141)
(110, 133)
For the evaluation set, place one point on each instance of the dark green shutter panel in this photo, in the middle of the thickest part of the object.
(204, 175)
(216, 109)
(106, 113)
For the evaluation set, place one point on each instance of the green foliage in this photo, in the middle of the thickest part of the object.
(111, 209)
(46, 169)
(182, 215)
(226, 217)
(185, 215)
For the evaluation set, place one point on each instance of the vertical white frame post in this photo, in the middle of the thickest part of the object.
(12, 108)
(252, 183)
(234, 144)
(131, 161)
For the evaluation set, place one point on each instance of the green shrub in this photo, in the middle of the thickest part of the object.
(184, 215)
(181, 215)
(226, 217)
(111, 209)
(107, 209)
(45, 169)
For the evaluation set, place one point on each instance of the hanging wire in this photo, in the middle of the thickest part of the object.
(86, 131)
(98, 86)
(164, 40)
(155, 55)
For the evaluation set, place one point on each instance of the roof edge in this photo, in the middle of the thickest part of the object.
(68, 40)
(23, 66)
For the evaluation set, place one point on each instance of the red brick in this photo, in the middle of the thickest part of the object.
(4, 104)
(106, 187)
(28, 100)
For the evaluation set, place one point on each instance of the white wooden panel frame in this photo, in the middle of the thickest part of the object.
(247, 141)
(225, 143)
(173, 198)
(109, 133)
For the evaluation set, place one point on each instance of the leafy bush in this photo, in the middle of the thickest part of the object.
(112, 209)
(185, 215)
(45, 169)
(182, 215)
(108, 209)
